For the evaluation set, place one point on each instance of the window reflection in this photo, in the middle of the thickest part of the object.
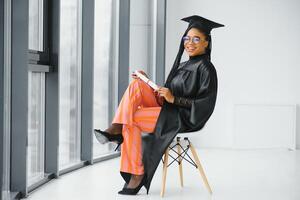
(103, 69)
(70, 83)
(36, 127)
(36, 24)
(7, 102)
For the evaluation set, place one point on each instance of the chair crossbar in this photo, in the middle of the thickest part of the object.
(181, 156)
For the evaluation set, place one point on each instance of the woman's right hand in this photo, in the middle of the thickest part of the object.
(133, 75)
(159, 99)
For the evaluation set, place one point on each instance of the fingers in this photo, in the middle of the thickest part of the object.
(164, 92)
(157, 89)
(133, 75)
(142, 72)
(161, 91)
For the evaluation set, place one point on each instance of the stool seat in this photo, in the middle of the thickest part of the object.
(188, 134)
(185, 135)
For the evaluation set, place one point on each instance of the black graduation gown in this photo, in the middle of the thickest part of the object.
(195, 79)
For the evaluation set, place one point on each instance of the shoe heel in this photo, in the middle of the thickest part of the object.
(117, 146)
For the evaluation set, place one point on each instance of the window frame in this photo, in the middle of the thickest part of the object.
(24, 60)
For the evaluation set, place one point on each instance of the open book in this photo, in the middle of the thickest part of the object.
(146, 80)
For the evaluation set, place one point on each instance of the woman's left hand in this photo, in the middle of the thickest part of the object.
(166, 93)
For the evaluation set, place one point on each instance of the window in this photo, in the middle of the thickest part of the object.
(36, 18)
(104, 70)
(6, 100)
(70, 83)
(36, 94)
(36, 128)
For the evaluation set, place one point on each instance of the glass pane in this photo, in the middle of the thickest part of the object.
(36, 127)
(102, 71)
(7, 107)
(70, 83)
(36, 24)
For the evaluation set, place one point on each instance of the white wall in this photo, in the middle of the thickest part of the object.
(140, 35)
(256, 56)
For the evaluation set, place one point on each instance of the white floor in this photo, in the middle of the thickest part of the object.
(233, 175)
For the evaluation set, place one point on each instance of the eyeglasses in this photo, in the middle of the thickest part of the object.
(195, 39)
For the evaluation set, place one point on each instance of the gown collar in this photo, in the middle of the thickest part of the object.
(193, 59)
(197, 57)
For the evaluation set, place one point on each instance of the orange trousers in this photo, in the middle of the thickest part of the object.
(138, 112)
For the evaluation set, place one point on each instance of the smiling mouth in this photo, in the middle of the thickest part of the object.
(190, 49)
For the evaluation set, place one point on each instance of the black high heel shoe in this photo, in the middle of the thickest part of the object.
(104, 137)
(133, 191)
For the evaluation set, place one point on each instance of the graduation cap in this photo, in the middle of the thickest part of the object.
(202, 23)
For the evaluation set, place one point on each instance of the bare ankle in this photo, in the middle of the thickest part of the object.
(115, 129)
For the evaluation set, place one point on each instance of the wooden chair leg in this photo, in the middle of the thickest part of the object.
(200, 168)
(180, 162)
(165, 167)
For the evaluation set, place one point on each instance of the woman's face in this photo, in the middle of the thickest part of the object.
(195, 42)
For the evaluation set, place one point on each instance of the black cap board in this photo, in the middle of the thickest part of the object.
(202, 23)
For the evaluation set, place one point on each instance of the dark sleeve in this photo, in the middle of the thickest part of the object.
(184, 102)
(203, 103)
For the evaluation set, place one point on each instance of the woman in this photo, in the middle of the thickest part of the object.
(184, 104)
